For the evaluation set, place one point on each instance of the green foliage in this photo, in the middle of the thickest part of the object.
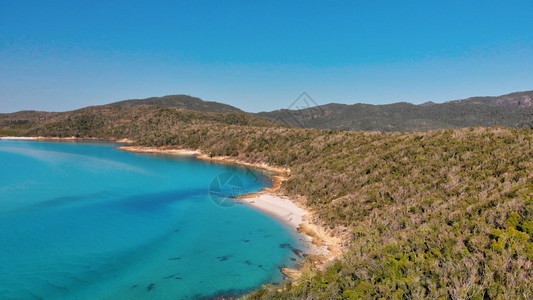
(182, 102)
(508, 110)
(10, 132)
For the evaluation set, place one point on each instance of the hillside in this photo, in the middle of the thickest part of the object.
(112, 121)
(12, 124)
(443, 214)
(518, 99)
(182, 102)
(512, 110)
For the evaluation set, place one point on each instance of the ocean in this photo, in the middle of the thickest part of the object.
(86, 221)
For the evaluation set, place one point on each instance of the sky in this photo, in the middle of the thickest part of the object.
(261, 55)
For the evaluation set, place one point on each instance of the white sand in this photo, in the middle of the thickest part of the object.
(289, 213)
(141, 149)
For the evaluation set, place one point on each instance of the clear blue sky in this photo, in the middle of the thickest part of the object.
(260, 55)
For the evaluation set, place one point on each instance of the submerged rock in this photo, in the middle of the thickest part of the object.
(150, 287)
(225, 257)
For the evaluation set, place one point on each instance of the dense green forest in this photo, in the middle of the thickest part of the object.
(513, 110)
(438, 214)
(180, 101)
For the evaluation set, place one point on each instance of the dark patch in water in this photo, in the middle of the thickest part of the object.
(246, 262)
(56, 286)
(150, 287)
(285, 246)
(156, 201)
(134, 286)
(174, 258)
(280, 269)
(246, 241)
(293, 259)
(225, 257)
(170, 276)
(289, 246)
(267, 235)
(59, 201)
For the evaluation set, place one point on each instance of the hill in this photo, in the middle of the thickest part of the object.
(135, 122)
(513, 110)
(518, 99)
(182, 102)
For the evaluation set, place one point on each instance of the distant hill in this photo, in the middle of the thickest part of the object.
(512, 110)
(518, 99)
(111, 121)
(18, 122)
(181, 101)
(429, 103)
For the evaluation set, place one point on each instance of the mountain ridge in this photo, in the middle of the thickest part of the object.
(514, 110)
(511, 110)
(180, 101)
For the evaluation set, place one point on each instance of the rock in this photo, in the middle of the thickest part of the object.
(292, 274)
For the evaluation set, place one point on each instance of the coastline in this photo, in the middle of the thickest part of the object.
(71, 138)
(320, 245)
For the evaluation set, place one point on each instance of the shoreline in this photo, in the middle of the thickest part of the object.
(320, 246)
(71, 138)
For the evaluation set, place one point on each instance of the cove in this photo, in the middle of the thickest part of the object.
(87, 221)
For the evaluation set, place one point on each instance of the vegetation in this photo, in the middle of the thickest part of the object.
(441, 214)
(513, 110)
(181, 101)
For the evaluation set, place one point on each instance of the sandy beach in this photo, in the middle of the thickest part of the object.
(169, 150)
(320, 246)
(319, 242)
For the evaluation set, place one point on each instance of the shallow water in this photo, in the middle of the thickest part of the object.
(86, 221)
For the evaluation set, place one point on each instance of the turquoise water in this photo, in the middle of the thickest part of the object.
(86, 221)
